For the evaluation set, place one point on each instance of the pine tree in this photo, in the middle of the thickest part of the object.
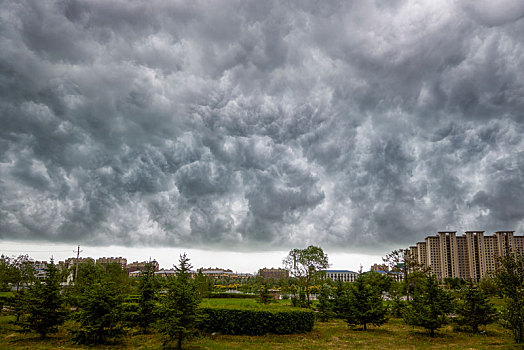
(98, 297)
(99, 313)
(325, 303)
(510, 278)
(147, 300)
(340, 298)
(365, 305)
(43, 304)
(429, 306)
(178, 312)
(475, 310)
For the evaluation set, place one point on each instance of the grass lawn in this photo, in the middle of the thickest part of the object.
(330, 335)
(247, 303)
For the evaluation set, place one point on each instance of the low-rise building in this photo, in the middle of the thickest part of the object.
(342, 275)
(139, 266)
(273, 273)
(121, 261)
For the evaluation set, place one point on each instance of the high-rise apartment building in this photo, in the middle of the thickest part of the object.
(470, 256)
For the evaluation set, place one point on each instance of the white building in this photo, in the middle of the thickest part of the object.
(343, 275)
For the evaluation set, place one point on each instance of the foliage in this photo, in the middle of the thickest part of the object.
(340, 298)
(147, 299)
(489, 286)
(510, 278)
(298, 298)
(365, 304)
(380, 281)
(429, 306)
(178, 313)
(256, 322)
(401, 261)
(203, 284)
(98, 294)
(17, 272)
(5, 272)
(454, 282)
(306, 265)
(475, 309)
(264, 296)
(43, 304)
(99, 313)
(325, 304)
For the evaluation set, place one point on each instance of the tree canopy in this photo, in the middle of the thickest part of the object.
(306, 264)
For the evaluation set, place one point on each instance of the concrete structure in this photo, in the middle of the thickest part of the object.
(470, 256)
(139, 266)
(343, 275)
(218, 273)
(72, 261)
(395, 275)
(379, 267)
(121, 261)
(272, 273)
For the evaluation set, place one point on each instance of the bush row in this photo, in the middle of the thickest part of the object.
(256, 322)
(233, 295)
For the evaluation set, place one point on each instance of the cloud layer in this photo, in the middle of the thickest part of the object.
(244, 125)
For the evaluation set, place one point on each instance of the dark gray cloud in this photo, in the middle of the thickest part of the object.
(260, 125)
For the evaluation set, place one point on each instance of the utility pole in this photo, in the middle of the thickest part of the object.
(76, 261)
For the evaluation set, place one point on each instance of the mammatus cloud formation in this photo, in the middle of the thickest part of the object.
(260, 125)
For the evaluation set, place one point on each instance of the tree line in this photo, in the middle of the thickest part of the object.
(418, 299)
(103, 303)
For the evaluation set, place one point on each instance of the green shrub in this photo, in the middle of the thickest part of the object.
(256, 322)
(233, 295)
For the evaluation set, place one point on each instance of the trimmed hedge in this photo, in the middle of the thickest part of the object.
(233, 296)
(256, 322)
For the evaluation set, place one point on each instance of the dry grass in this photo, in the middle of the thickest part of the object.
(330, 335)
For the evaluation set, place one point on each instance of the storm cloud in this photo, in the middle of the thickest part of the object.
(244, 125)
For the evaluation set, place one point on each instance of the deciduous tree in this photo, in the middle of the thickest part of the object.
(306, 265)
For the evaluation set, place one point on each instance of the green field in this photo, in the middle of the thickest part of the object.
(330, 335)
(247, 303)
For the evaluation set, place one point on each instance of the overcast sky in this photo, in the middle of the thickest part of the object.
(249, 126)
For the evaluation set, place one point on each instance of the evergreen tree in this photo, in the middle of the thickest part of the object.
(429, 306)
(510, 278)
(340, 298)
(365, 304)
(99, 313)
(397, 305)
(147, 299)
(325, 304)
(98, 295)
(204, 285)
(43, 304)
(178, 312)
(475, 309)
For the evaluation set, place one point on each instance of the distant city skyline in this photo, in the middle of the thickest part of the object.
(167, 257)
